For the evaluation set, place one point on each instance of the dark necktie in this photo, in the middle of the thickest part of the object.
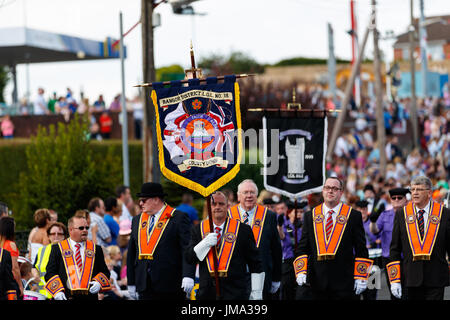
(151, 223)
(329, 224)
(420, 222)
(246, 218)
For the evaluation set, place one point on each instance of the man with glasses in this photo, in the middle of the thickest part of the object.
(160, 234)
(382, 223)
(332, 255)
(76, 268)
(420, 242)
(264, 227)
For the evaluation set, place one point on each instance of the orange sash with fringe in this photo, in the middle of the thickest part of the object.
(78, 281)
(327, 248)
(422, 248)
(148, 242)
(257, 223)
(227, 244)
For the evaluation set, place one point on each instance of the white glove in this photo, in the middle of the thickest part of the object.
(187, 284)
(396, 289)
(275, 286)
(257, 285)
(301, 279)
(132, 292)
(360, 286)
(95, 287)
(202, 248)
(60, 296)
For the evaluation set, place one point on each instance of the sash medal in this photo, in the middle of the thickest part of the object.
(327, 248)
(148, 242)
(227, 244)
(258, 220)
(422, 248)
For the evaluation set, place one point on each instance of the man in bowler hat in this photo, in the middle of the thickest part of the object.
(156, 267)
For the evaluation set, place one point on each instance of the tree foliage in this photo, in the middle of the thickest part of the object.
(235, 63)
(63, 173)
(4, 78)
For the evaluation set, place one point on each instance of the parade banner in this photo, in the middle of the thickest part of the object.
(302, 148)
(198, 129)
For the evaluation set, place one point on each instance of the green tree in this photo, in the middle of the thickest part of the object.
(236, 63)
(4, 78)
(63, 173)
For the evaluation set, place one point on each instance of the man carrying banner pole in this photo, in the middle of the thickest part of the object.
(235, 248)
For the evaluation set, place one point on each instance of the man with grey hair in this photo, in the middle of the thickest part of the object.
(420, 242)
(264, 227)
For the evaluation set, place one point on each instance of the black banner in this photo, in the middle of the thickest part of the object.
(301, 145)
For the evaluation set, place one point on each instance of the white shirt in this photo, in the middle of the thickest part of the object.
(335, 212)
(82, 248)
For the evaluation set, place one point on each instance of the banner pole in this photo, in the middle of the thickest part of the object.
(295, 225)
(216, 264)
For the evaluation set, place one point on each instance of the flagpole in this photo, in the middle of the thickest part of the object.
(238, 76)
(216, 264)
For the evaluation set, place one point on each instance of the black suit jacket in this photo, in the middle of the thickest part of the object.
(235, 285)
(270, 251)
(432, 273)
(56, 266)
(168, 266)
(7, 281)
(336, 274)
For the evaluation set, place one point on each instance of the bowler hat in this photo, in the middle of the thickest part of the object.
(151, 190)
(362, 203)
(398, 192)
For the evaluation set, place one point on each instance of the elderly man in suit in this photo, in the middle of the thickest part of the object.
(76, 268)
(156, 266)
(420, 243)
(264, 227)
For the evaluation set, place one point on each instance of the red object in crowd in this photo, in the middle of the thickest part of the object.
(105, 122)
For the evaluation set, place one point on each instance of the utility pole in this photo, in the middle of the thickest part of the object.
(126, 170)
(348, 92)
(423, 49)
(412, 62)
(331, 64)
(379, 108)
(150, 149)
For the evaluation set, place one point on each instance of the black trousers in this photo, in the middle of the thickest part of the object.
(333, 295)
(151, 294)
(425, 293)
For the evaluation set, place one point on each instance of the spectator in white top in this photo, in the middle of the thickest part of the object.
(124, 195)
(96, 209)
(40, 105)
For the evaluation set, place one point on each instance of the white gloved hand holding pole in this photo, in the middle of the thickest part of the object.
(202, 248)
(360, 286)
